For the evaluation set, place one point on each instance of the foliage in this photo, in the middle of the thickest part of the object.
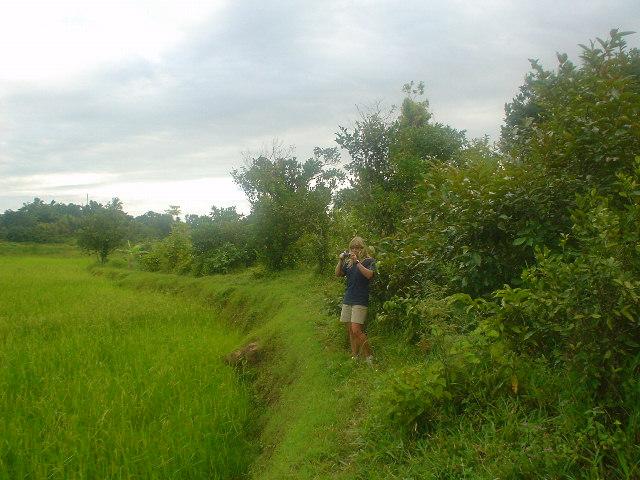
(472, 228)
(417, 317)
(41, 222)
(550, 226)
(580, 306)
(133, 253)
(415, 394)
(390, 155)
(289, 199)
(103, 228)
(474, 222)
(173, 253)
(582, 121)
(222, 260)
(468, 362)
(55, 222)
(221, 241)
(151, 226)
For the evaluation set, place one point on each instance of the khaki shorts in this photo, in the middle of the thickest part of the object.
(353, 314)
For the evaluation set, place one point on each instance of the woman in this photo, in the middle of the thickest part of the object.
(359, 269)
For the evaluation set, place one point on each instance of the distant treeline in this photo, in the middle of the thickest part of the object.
(55, 222)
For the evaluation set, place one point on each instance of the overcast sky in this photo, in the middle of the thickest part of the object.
(156, 101)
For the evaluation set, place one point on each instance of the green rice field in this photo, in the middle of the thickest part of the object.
(99, 381)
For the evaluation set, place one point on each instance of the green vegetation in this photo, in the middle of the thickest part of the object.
(300, 384)
(39, 222)
(505, 312)
(100, 382)
(289, 203)
(425, 411)
(103, 229)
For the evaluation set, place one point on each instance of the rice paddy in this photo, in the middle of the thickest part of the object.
(98, 381)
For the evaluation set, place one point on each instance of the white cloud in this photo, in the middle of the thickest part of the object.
(145, 92)
(38, 184)
(47, 41)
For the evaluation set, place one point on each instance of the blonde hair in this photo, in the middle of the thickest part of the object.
(358, 242)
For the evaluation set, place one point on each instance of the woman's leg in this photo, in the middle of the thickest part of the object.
(352, 340)
(361, 342)
(345, 317)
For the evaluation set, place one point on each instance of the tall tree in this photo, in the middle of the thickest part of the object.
(103, 229)
(288, 200)
(152, 225)
(389, 155)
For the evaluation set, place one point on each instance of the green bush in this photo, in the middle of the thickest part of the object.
(466, 365)
(473, 228)
(174, 253)
(430, 314)
(289, 199)
(222, 260)
(414, 395)
(581, 306)
(582, 121)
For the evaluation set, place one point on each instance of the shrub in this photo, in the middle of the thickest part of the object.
(581, 306)
(584, 120)
(222, 260)
(473, 228)
(461, 371)
(174, 253)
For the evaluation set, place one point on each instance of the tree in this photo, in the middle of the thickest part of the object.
(221, 241)
(580, 121)
(389, 157)
(174, 212)
(288, 200)
(152, 225)
(41, 222)
(103, 229)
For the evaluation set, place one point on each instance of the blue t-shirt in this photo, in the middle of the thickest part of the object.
(357, 284)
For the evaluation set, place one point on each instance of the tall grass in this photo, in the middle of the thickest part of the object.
(305, 427)
(98, 381)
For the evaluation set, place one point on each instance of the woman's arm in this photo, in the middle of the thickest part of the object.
(365, 271)
(339, 271)
(368, 274)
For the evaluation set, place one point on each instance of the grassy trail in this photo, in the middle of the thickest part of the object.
(97, 381)
(309, 390)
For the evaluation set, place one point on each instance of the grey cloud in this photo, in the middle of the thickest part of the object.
(292, 70)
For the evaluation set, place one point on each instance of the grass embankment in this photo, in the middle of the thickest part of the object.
(98, 381)
(307, 387)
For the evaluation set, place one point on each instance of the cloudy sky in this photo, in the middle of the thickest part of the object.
(155, 101)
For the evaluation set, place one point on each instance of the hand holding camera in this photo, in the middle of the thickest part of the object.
(344, 256)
